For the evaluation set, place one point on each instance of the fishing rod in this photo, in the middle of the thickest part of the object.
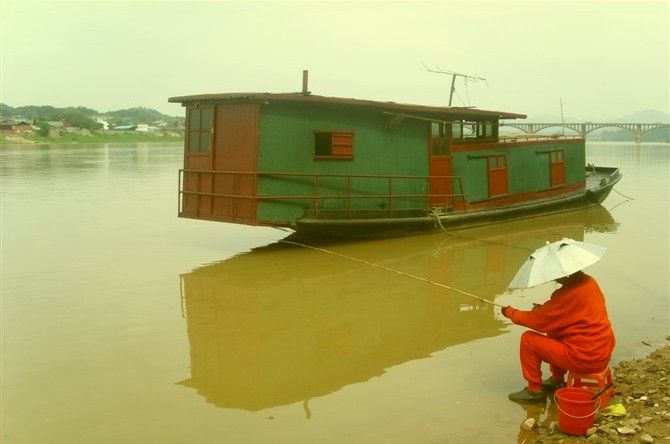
(393, 271)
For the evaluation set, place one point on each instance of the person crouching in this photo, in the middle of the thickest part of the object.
(572, 333)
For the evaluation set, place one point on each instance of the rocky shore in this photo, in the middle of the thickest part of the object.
(642, 387)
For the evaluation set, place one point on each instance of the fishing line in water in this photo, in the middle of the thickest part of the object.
(428, 281)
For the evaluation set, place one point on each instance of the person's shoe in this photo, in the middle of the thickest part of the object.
(526, 395)
(550, 385)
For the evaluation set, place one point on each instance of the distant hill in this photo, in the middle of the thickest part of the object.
(137, 115)
(86, 118)
(613, 134)
(550, 118)
(122, 116)
(646, 116)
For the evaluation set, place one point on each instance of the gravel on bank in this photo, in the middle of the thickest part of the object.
(642, 386)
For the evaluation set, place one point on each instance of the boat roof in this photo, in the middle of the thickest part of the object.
(443, 112)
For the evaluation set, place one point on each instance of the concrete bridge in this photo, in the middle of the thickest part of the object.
(639, 129)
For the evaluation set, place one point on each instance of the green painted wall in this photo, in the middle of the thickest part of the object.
(528, 168)
(286, 144)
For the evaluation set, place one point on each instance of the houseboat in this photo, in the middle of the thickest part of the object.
(341, 167)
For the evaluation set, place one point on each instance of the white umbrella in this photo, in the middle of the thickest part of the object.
(556, 260)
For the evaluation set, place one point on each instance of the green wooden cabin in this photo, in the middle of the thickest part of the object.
(273, 159)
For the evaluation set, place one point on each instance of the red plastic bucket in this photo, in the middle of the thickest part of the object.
(576, 410)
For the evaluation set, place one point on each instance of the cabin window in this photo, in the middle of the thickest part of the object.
(465, 130)
(333, 144)
(199, 129)
(471, 131)
(440, 142)
(457, 130)
(438, 129)
(485, 130)
(497, 166)
(557, 167)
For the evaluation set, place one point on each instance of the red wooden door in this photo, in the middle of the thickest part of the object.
(440, 166)
(235, 162)
(497, 175)
(557, 168)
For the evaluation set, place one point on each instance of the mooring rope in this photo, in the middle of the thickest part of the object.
(595, 173)
(393, 271)
(618, 192)
(435, 212)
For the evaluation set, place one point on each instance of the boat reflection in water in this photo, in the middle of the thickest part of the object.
(284, 324)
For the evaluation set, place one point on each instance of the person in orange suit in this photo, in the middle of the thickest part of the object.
(572, 332)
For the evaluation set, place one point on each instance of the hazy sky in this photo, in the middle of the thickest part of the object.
(603, 59)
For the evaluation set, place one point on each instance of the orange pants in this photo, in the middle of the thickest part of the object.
(537, 348)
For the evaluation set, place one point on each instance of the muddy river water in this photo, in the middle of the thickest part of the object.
(123, 324)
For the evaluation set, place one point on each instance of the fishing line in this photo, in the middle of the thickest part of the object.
(393, 271)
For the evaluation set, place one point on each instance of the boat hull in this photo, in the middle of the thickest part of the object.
(599, 183)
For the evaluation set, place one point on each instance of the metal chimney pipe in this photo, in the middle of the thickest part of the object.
(305, 76)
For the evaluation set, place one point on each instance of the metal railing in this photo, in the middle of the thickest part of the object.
(347, 191)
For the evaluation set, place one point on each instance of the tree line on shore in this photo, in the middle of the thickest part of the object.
(86, 118)
(89, 119)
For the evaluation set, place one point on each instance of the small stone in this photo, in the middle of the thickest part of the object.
(591, 431)
(646, 439)
(646, 419)
(631, 422)
(625, 430)
(608, 430)
(528, 424)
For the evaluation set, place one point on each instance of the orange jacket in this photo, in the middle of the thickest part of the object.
(576, 316)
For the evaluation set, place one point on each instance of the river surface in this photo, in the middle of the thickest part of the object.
(123, 324)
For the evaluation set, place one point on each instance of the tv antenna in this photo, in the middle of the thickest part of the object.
(453, 78)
